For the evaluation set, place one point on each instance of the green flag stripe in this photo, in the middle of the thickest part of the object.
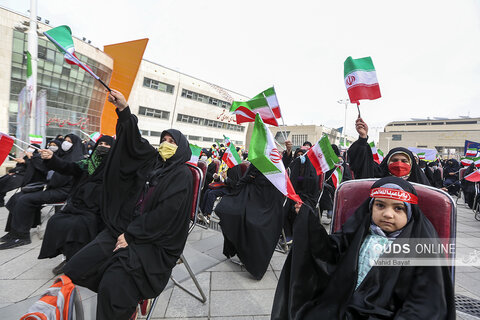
(29, 65)
(258, 147)
(328, 152)
(269, 92)
(63, 35)
(251, 104)
(364, 64)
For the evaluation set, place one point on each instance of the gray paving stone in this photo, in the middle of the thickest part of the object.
(277, 262)
(184, 305)
(241, 303)
(208, 243)
(10, 254)
(41, 270)
(18, 290)
(162, 303)
(233, 318)
(15, 267)
(242, 281)
(226, 266)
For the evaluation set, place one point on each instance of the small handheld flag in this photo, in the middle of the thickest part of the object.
(6, 143)
(361, 80)
(231, 157)
(36, 139)
(264, 103)
(474, 176)
(322, 156)
(61, 37)
(196, 150)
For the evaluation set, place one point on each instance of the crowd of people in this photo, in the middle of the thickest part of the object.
(126, 215)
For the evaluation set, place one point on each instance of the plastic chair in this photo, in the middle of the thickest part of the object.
(197, 186)
(217, 164)
(437, 205)
(461, 175)
(203, 165)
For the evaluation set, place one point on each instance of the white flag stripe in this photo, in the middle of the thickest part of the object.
(361, 77)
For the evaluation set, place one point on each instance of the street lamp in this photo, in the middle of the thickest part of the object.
(345, 102)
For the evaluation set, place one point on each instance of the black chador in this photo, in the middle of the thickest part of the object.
(149, 201)
(319, 277)
(79, 221)
(251, 221)
(363, 166)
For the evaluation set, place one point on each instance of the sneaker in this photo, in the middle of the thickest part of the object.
(6, 237)
(289, 241)
(13, 243)
(145, 306)
(59, 269)
(326, 220)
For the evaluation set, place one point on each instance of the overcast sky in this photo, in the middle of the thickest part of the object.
(426, 53)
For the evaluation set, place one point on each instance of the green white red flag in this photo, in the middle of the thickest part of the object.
(337, 177)
(421, 156)
(264, 103)
(474, 176)
(61, 37)
(36, 139)
(196, 150)
(6, 144)
(230, 156)
(322, 156)
(264, 155)
(377, 156)
(95, 136)
(476, 161)
(466, 161)
(361, 79)
(471, 152)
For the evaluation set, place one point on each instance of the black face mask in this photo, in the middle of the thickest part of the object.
(102, 151)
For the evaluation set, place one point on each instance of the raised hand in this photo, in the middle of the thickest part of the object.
(362, 128)
(46, 154)
(118, 100)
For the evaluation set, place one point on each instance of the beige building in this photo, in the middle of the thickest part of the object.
(298, 134)
(446, 135)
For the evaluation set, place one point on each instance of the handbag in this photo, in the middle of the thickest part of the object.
(33, 187)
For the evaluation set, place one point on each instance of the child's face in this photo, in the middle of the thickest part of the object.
(390, 215)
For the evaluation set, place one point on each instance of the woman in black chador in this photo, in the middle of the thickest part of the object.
(399, 162)
(333, 277)
(251, 221)
(147, 201)
(79, 221)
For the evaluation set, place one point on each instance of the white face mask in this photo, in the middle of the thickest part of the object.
(53, 148)
(66, 145)
(203, 158)
(30, 150)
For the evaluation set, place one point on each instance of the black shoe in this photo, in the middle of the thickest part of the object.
(59, 269)
(13, 243)
(6, 237)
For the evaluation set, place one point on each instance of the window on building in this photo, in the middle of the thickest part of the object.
(299, 139)
(157, 85)
(209, 123)
(197, 138)
(155, 113)
(396, 137)
(207, 139)
(205, 99)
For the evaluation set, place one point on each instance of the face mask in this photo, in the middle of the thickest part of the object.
(90, 151)
(167, 150)
(102, 151)
(66, 145)
(203, 158)
(53, 148)
(399, 168)
(302, 158)
(30, 150)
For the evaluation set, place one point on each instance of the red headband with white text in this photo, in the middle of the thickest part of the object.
(394, 194)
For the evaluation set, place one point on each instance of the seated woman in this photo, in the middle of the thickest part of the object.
(147, 201)
(332, 276)
(24, 208)
(251, 221)
(79, 221)
(28, 169)
(399, 162)
(450, 174)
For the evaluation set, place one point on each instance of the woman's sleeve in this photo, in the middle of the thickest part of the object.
(64, 167)
(361, 160)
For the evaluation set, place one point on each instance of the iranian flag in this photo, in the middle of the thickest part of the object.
(61, 37)
(361, 79)
(30, 80)
(264, 103)
(231, 157)
(474, 176)
(337, 177)
(377, 156)
(477, 162)
(36, 139)
(471, 152)
(265, 157)
(322, 156)
(196, 150)
(95, 136)
(6, 143)
(466, 161)
(421, 156)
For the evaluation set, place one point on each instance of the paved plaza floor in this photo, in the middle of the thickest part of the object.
(231, 292)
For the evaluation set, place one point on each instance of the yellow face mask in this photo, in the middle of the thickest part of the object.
(167, 150)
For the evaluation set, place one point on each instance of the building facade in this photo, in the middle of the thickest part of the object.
(446, 135)
(74, 99)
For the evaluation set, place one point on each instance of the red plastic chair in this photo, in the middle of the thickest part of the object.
(461, 173)
(217, 164)
(437, 205)
(203, 165)
(197, 186)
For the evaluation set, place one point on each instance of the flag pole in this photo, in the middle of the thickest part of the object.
(74, 58)
(281, 116)
(28, 144)
(16, 145)
(358, 108)
(87, 135)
